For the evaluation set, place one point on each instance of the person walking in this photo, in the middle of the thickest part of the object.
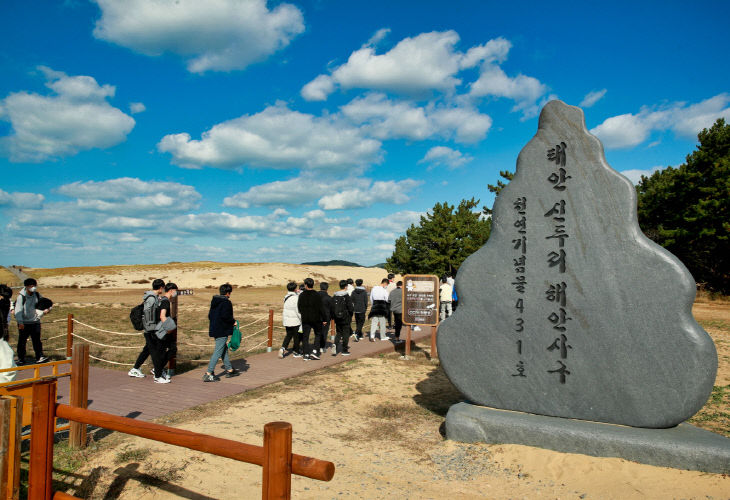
(6, 294)
(311, 310)
(29, 322)
(327, 316)
(167, 346)
(292, 321)
(390, 288)
(446, 295)
(221, 327)
(150, 318)
(360, 304)
(396, 306)
(378, 310)
(342, 313)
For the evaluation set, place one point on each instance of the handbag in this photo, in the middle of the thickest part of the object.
(235, 342)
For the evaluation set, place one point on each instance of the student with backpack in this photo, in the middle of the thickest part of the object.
(342, 309)
(149, 318)
(360, 304)
(292, 321)
(29, 321)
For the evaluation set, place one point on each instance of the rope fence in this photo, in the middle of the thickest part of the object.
(107, 350)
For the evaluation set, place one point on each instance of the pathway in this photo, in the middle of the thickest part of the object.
(114, 392)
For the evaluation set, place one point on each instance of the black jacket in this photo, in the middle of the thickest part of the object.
(327, 306)
(359, 300)
(221, 317)
(310, 307)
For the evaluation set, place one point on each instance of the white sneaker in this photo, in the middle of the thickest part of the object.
(135, 372)
(164, 373)
(162, 380)
(384, 338)
(281, 353)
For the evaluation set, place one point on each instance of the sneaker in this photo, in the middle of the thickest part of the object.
(399, 341)
(357, 339)
(208, 378)
(162, 380)
(306, 357)
(384, 338)
(232, 373)
(345, 353)
(135, 372)
(43, 359)
(281, 353)
(372, 339)
(314, 356)
(297, 354)
(165, 374)
(334, 352)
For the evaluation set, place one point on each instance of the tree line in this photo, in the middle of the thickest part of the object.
(684, 209)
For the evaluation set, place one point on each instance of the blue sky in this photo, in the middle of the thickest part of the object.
(149, 131)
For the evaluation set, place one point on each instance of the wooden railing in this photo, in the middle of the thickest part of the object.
(275, 456)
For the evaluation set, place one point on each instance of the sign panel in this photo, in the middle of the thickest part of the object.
(188, 291)
(420, 299)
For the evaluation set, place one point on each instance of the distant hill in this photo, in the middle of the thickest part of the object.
(332, 263)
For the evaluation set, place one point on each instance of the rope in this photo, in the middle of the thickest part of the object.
(101, 330)
(211, 345)
(57, 336)
(240, 327)
(254, 347)
(106, 345)
(112, 362)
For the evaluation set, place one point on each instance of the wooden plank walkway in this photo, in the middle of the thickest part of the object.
(115, 392)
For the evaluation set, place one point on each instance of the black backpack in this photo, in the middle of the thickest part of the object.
(136, 315)
(340, 306)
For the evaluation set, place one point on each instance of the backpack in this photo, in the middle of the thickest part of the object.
(136, 315)
(340, 306)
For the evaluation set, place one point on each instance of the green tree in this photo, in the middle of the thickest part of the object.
(686, 209)
(445, 236)
(506, 175)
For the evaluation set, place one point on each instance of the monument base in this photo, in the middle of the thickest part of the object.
(681, 447)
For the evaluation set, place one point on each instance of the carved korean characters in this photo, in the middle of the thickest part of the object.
(569, 310)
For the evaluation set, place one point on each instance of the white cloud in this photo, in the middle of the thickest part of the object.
(130, 195)
(427, 62)
(76, 118)
(275, 138)
(441, 155)
(524, 90)
(388, 119)
(292, 192)
(136, 107)
(218, 35)
(379, 192)
(592, 97)
(21, 200)
(634, 175)
(397, 222)
(314, 214)
(629, 130)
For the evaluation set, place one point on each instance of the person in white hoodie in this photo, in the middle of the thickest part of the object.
(29, 324)
(292, 320)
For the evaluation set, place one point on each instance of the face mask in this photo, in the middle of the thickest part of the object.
(33, 289)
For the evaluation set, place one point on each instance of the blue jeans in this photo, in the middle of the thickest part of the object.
(220, 352)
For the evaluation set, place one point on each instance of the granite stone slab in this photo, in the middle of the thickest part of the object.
(569, 310)
(681, 447)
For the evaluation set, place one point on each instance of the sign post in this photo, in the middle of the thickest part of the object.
(420, 303)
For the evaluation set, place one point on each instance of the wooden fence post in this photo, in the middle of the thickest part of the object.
(79, 393)
(69, 336)
(11, 418)
(277, 461)
(40, 477)
(270, 343)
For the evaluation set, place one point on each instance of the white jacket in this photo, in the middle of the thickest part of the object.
(290, 314)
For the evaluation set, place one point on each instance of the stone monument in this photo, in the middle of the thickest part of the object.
(569, 310)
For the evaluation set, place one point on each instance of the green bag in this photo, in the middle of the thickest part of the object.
(235, 342)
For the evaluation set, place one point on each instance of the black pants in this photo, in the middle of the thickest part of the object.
(158, 352)
(398, 323)
(359, 322)
(342, 338)
(144, 354)
(292, 332)
(306, 328)
(323, 335)
(32, 330)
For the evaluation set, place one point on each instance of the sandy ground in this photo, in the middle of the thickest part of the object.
(201, 275)
(378, 420)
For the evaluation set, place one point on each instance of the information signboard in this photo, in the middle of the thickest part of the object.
(420, 299)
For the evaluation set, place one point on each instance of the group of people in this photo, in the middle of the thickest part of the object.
(27, 310)
(308, 312)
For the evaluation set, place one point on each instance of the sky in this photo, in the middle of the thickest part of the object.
(151, 131)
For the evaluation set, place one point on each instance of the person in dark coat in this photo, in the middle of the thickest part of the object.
(221, 327)
(327, 307)
(312, 311)
(360, 303)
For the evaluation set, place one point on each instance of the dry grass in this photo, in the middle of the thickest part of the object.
(8, 278)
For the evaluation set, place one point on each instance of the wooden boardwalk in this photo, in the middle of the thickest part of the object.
(115, 392)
